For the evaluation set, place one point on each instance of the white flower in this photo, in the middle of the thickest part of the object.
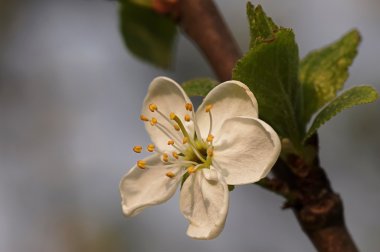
(223, 143)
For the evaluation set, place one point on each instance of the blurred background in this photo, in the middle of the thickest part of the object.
(70, 97)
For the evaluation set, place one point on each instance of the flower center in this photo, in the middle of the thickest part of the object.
(192, 152)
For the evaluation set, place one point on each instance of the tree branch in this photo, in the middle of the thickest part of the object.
(318, 209)
(201, 22)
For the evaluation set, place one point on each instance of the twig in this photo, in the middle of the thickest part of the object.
(279, 187)
(202, 23)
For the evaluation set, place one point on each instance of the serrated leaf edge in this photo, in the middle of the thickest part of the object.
(311, 131)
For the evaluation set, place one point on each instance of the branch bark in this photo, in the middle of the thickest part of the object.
(318, 209)
(201, 21)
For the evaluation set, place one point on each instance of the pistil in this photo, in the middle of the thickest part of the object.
(186, 134)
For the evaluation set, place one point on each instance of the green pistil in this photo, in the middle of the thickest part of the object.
(186, 134)
(181, 126)
(189, 154)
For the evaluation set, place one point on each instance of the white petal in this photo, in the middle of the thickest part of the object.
(210, 174)
(229, 99)
(141, 188)
(169, 97)
(204, 204)
(245, 150)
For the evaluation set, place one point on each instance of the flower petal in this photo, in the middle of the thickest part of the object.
(210, 174)
(245, 150)
(169, 97)
(229, 99)
(141, 188)
(204, 204)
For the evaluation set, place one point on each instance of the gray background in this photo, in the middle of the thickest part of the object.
(70, 97)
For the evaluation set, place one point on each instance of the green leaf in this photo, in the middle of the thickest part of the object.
(354, 96)
(147, 34)
(262, 28)
(184, 177)
(323, 72)
(231, 188)
(271, 71)
(199, 87)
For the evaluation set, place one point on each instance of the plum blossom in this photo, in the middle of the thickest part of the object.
(222, 143)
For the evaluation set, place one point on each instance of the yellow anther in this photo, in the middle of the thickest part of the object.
(170, 174)
(175, 155)
(172, 115)
(185, 140)
(165, 157)
(189, 106)
(208, 108)
(150, 147)
(176, 127)
(170, 142)
(153, 121)
(141, 164)
(152, 107)
(187, 118)
(210, 138)
(210, 152)
(191, 169)
(137, 149)
(144, 118)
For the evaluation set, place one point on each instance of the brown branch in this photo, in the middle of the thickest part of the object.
(318, 209)
(202, 23)
(279, 187)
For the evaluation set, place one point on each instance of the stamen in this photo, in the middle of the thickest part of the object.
(210, 138)
(176, 127)
(137, 149)
(152, 107)
(168, 165)
(197, 131)
(171, 142)
(144, 118)
(210, 152)
(208, 110)
(185, 140)
(167, 132)
(189, 106)
(153, 121)
(150, 147)
(170, 174)
(187, 118)
(141, 164)
(191, 169)
(164, 116)
(175, 155)
(165, 157)
(184, 132)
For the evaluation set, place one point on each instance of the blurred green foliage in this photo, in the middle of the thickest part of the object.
(199, 87)
(147, 34)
